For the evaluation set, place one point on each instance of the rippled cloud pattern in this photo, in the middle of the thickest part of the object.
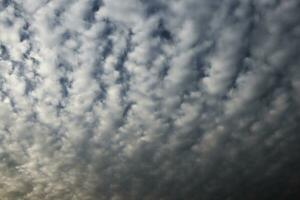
(146, 100)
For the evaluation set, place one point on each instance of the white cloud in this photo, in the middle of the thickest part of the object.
(148, 100)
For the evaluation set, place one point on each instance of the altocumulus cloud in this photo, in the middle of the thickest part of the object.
(137, 99)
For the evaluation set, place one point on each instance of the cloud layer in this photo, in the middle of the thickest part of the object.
(169, 100)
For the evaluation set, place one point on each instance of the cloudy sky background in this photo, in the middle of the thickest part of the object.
(145, 100)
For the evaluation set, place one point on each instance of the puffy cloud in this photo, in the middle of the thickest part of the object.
(151, 100)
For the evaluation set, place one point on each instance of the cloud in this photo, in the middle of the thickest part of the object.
(149, 100)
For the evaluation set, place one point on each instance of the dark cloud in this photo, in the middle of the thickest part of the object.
(167, 100)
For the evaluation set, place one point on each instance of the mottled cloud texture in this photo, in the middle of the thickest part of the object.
(149, 100)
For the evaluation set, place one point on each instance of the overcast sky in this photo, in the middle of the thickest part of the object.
(149, 99)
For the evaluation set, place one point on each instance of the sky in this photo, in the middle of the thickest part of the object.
(149, 99)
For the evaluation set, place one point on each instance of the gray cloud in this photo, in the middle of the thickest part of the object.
(166, 100)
